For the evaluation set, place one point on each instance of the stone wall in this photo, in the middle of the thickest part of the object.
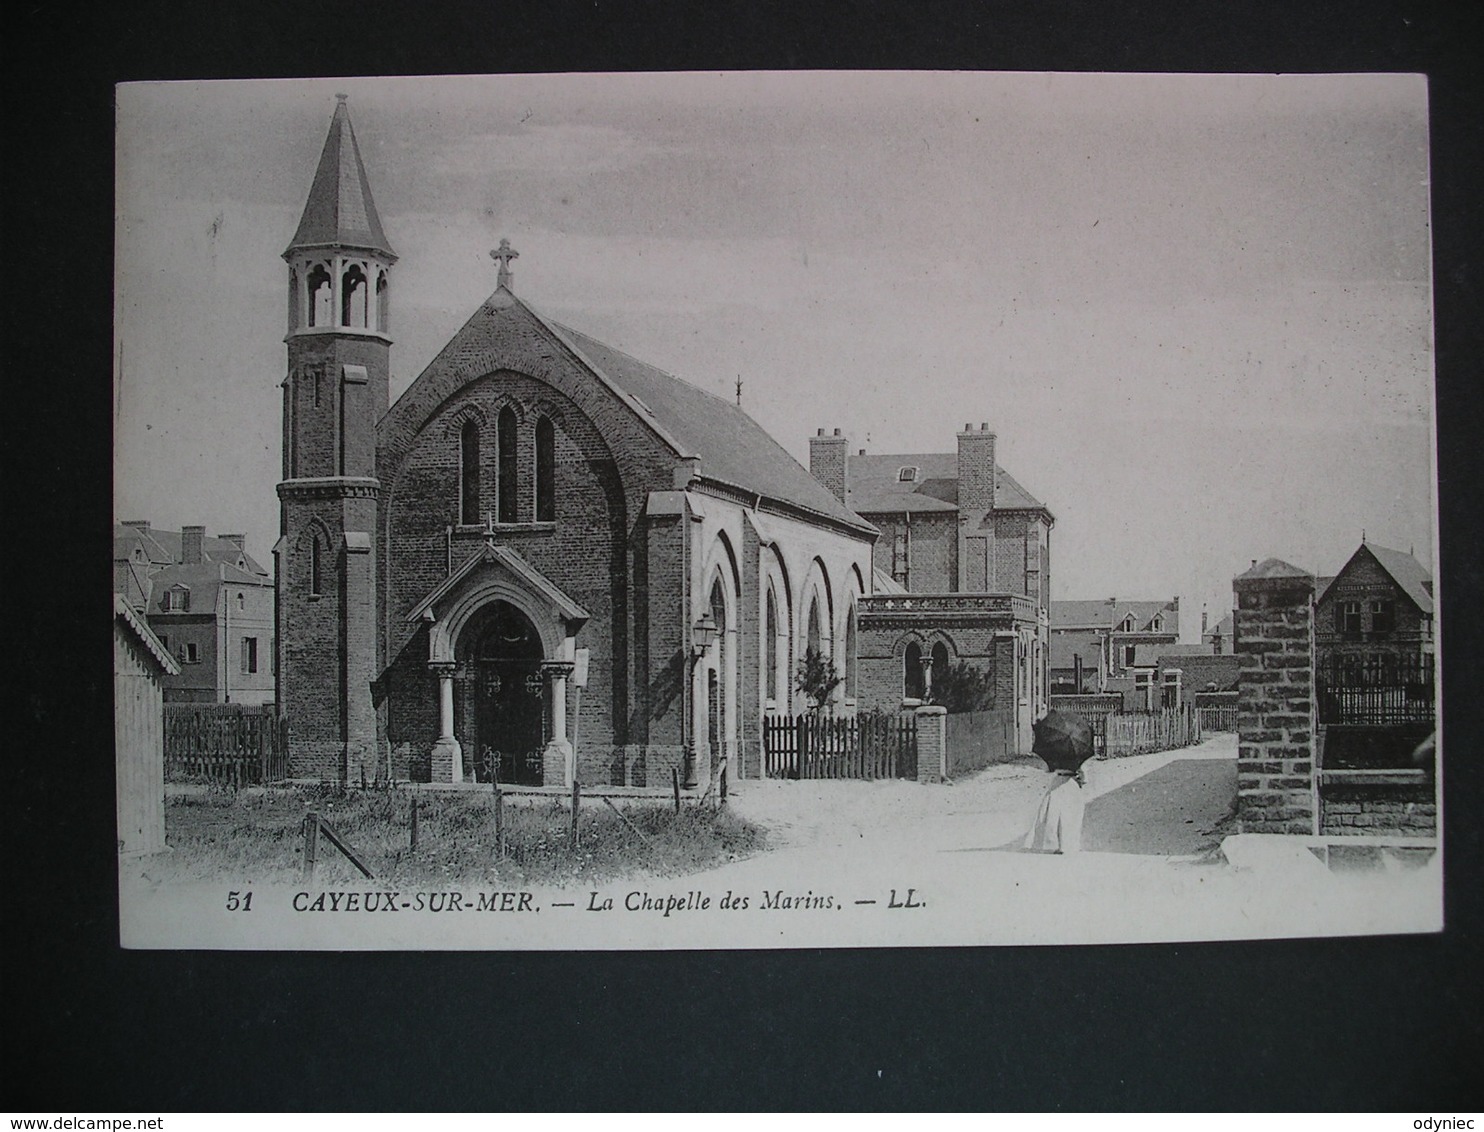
(1275, 647)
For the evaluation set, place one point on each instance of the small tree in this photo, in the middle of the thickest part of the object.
(817, 679)
(963, 688)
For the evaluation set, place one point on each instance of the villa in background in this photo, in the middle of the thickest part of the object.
(1111, 645)
(208, 602)
(1379, 605)
(961, 572)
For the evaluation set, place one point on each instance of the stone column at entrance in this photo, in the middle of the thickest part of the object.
(932, 751)
(448, 761)
(1274, 637)
(558, 756)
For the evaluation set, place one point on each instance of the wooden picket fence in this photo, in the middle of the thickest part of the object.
(1137, 733)
(225, 744)
(863, 746)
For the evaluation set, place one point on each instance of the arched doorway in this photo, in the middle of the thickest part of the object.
(505, 668)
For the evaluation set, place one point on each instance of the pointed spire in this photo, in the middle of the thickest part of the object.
(340, 211)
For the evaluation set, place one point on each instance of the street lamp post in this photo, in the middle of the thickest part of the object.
(703, 633)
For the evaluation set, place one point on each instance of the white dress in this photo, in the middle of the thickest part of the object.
(1058, 826)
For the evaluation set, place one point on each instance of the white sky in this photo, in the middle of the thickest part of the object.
(1196, 309)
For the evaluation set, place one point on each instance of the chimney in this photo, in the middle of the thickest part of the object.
(976, 463)
(1203, 619)
(239, 541)
(829, 458)
(192, 545)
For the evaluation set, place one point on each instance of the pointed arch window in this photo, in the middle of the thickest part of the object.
(383, 302)
(321, 302)
(469, 473)
(508, 465)
(912, 672)
(545, 471)
(770, 646)
(814, 631)
(939, 674)
(316, 578)
(354, 292)
(851, 665)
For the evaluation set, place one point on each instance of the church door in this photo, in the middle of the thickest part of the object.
(508, 698)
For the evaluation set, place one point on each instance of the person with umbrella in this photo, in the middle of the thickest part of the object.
(1064, 742)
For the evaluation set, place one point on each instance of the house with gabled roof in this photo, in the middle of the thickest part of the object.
(547, 560)
(1095, 644)
(967, 552)
(209, 602)
(1379, 604)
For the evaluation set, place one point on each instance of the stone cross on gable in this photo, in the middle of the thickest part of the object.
(503, 255)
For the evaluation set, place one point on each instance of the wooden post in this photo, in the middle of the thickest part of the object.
(311, 842)
(675, 779)
(499, 821)
(576, 798)
(414, 823)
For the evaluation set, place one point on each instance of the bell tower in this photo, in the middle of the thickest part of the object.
(335, 390)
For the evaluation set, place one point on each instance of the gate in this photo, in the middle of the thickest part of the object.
(1375, 691)
(862, 746)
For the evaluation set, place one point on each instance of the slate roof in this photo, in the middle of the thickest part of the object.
(1109, 612)
(733, 448)
(203, 581)
(340, 210)
(1407, 572)
(1149, 655)
(873, 485)
(163, 548)
(1067, 645)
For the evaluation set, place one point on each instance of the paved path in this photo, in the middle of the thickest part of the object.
(1174, 810)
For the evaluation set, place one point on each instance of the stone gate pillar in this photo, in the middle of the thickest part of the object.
(932, 752)
(1274, 637)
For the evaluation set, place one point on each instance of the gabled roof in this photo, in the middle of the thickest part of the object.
(1409, 574)
(513, 562)
(144, 635)
(874, 484)
(163, 548)
(1074, 642)
(1109, 612)
(340, 211)
(733, 448)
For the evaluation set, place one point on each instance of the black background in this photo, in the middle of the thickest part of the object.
(1314, 1024)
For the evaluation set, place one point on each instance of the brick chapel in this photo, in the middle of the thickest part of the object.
(550, 560)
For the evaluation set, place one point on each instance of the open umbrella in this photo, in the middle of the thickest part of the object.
(1063, 740)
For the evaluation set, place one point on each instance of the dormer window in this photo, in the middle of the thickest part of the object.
(907, 475)
(1127, 624)
(1157, 625)
(177, 599)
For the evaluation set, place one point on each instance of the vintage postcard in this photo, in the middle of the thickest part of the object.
(747, 510)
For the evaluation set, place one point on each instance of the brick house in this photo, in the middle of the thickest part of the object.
(1379, 604)
(547, 559)
(209, 603)
(962, 571)
(1095, 645)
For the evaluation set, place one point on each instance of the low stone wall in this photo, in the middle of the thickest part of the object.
(1354, 809)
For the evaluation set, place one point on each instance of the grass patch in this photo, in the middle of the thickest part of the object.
(257, 836)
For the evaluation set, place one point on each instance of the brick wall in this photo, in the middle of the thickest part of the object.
(1275, 753)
